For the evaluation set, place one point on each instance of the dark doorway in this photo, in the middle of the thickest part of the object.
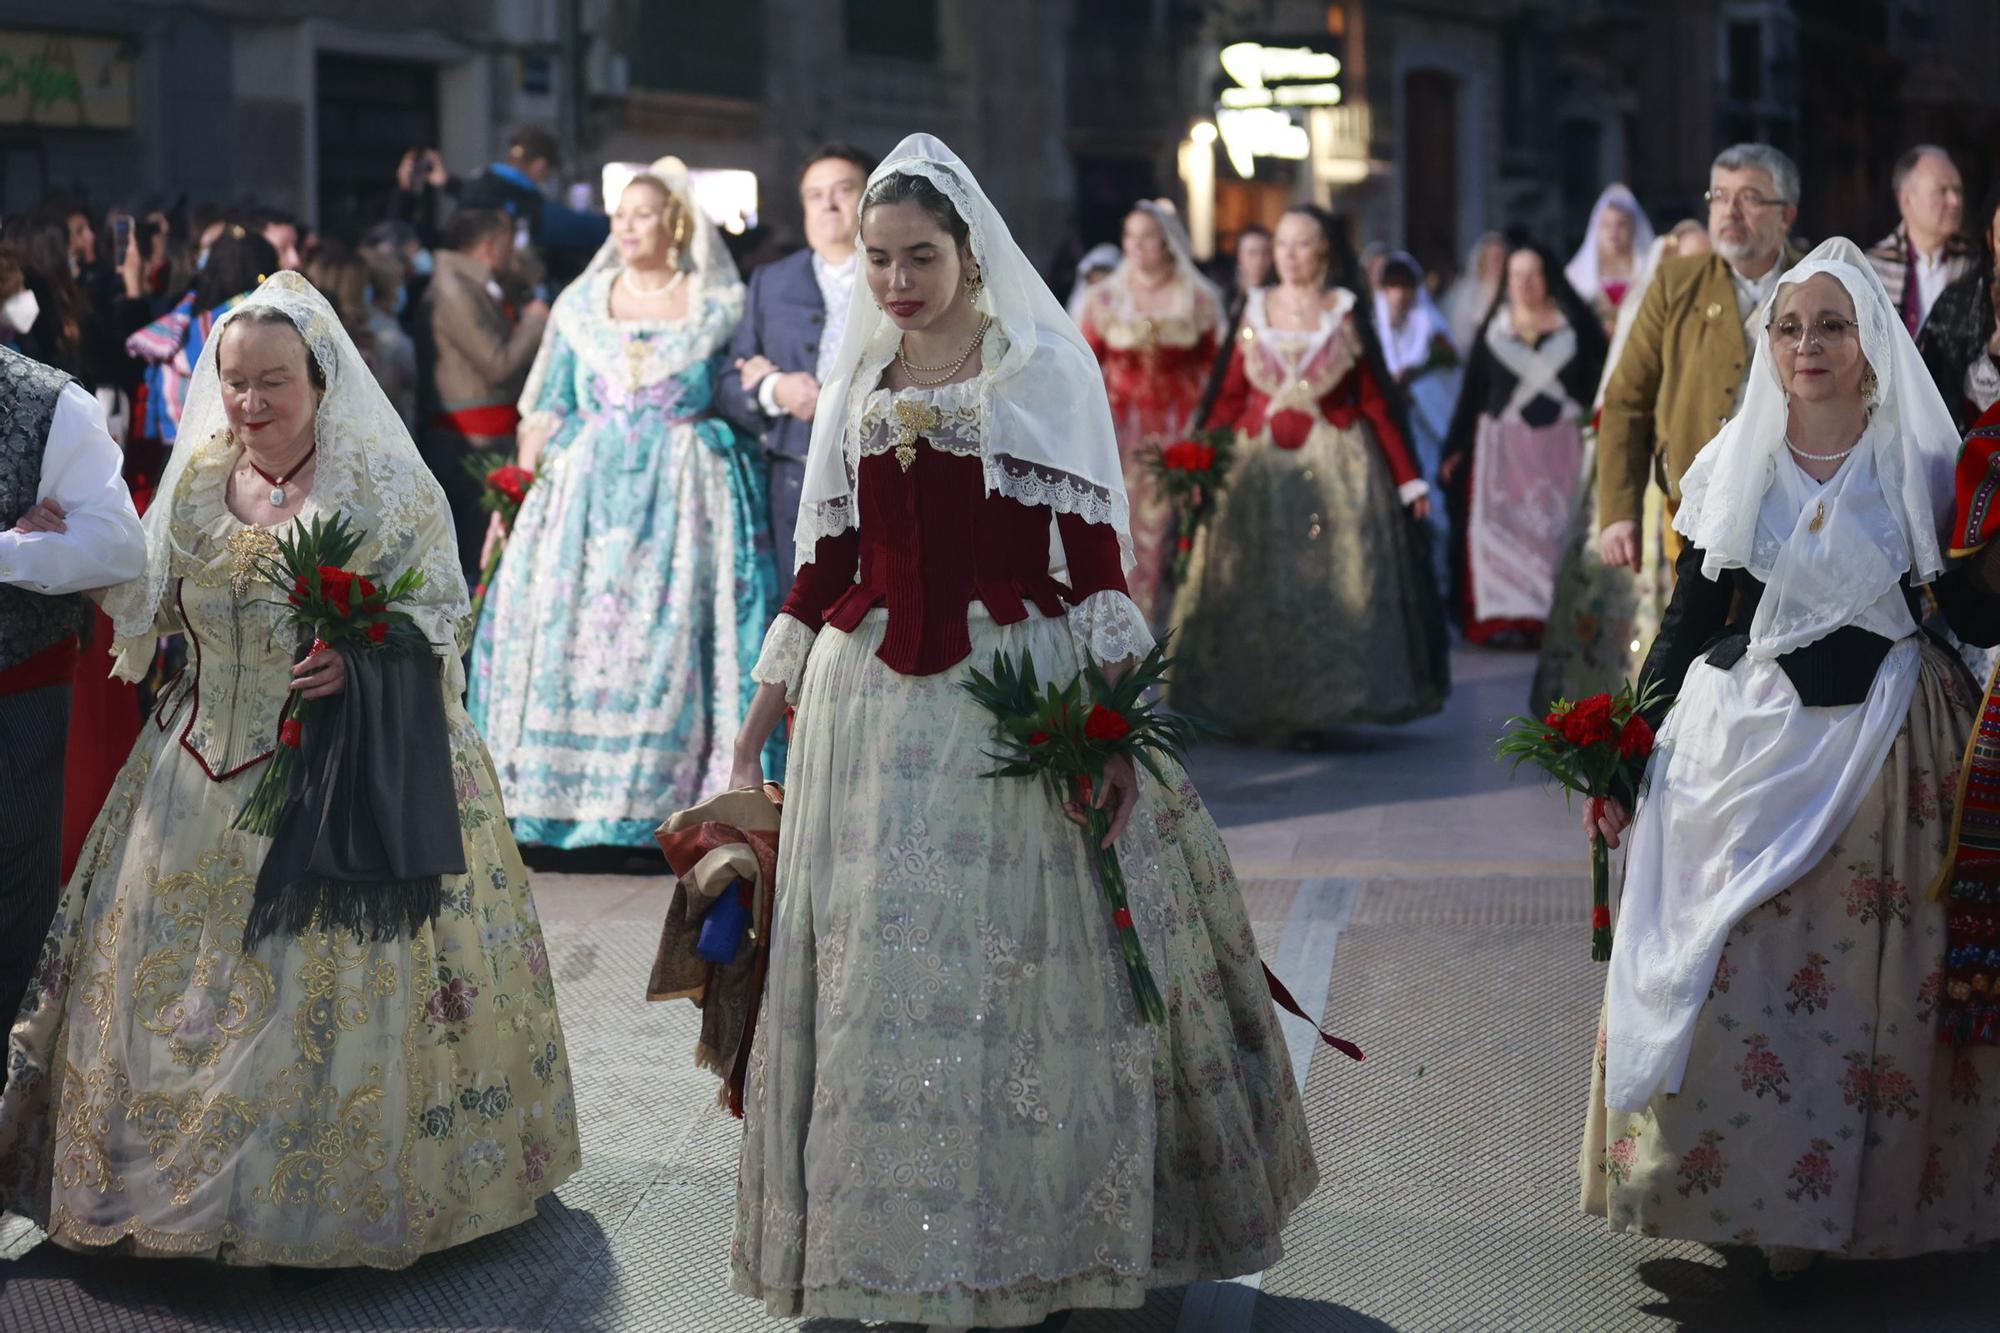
(1430, 167)
(370, 113)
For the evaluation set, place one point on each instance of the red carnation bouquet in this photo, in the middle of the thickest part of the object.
(1066, 736)
(502, 492)
(332, 606)
(1191, 474)
(1596, 747)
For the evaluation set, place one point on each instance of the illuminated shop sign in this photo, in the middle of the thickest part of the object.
(1260, 102)
(64, 80)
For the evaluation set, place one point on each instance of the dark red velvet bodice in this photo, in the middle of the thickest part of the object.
(931, 542)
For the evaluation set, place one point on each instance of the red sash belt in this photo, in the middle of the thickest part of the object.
(498, 419)
(52, 666)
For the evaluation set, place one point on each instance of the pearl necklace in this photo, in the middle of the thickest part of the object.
(1821, 458)
(943, 373)
(632, 282)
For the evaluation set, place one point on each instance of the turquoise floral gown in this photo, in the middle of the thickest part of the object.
(612, 664)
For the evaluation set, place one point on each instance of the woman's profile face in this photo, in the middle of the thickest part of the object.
(640, 226)
(267, 395)
(1814, 342)
(1145, 245)
(1299, 248)
(916, 271)
(1527, 284)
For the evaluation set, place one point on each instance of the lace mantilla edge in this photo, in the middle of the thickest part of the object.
(1110, 627)
(787, 644)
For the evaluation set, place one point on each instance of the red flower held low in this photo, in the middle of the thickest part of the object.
(512, 482)
(1635, 741)
(291, 733)
(1122, 918)
(378, 632)
(1588, 722)
(1106, 724)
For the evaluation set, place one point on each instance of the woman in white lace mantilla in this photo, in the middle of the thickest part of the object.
(953, 1113)
(317, 1098)
(1770, 1069)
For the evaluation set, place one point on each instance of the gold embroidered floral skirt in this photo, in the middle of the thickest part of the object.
(320, 1101)
(952, 1112)
(1818, 1109)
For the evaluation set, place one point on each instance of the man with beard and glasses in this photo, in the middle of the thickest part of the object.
(1680, 378)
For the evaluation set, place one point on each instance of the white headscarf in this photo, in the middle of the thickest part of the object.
(1644, 266)
(1409, 345)
(1471, 296)
(704, 258)
(1100, 258)
(1044, 422)
(1583, 270)
(1874, 533)
(1179, 246)
(366, 468)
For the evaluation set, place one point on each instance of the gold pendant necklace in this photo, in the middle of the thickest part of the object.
(1819, 517)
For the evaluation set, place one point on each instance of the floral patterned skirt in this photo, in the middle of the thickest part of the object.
(952, 1112)
(319, 1101)
(1818, 1109)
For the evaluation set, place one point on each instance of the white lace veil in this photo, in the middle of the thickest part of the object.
(366, 468)
(1176, 235)
(1044, 420)
(1100, 258)
(704, 258)
(1583, 270)
(1911, 444)
(1411, 344)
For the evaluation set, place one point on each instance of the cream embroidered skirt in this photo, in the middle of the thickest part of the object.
(953, 1114)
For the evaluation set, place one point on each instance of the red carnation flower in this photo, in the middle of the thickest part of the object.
(378, 631)
(291, 733)
(1588, 722)
(1039, 738)
(1186, 543)
(1106, 724)
(338, 587)
(511, 482)
(301, 591)
(1635, 741)
(1122, 918)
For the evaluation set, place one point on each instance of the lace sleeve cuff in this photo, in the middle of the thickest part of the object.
(1109, 626)
(783, 661)
(1982, 381)
(1412, 490)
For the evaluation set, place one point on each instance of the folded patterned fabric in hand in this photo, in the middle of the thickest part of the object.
(713, 846)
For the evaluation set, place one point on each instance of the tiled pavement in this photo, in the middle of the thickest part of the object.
(1433, 906)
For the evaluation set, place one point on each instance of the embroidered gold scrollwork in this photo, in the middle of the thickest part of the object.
(199, 990)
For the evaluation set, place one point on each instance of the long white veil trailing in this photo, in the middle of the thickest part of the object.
(1583, 270)
(1911, 442)
(366, 468)
(704, 258)
(1044, 420)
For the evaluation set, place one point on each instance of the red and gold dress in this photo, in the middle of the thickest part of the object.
(1308, 604)
(1155, 367)
(952, 1111)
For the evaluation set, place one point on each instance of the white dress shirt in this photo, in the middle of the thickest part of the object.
(836, 293)
(81, 471)
(1932, 275)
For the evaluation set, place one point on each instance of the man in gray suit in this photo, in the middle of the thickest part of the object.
(791, 327)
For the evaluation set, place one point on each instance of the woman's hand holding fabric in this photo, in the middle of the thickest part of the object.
(321, 675)
(1420, 508)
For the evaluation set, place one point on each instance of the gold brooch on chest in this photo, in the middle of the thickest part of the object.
(636, 353)
(248, 548)
(913, 421)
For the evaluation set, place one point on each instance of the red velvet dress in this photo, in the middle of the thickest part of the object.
(1155, 367)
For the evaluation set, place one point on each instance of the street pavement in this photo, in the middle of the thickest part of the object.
(1431, 905)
